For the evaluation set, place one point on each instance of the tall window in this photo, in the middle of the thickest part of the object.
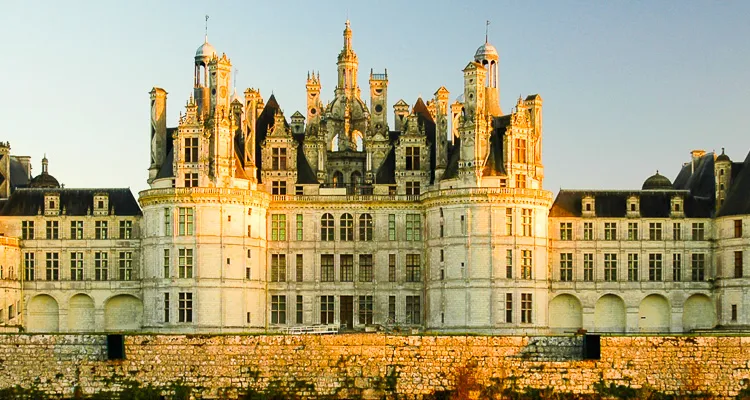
(654, 231)
(566, 267)
(278, 267)
(278, 158)
(185, 221)
(738, 228)
(168, 222)
(412, 158)
(126, 265)
(698, 267)
(632, 267)
(299, 309)
(76, 266)
(326, 228)
(326, 268)
(278, 227)
(278, 309)
(677, 231)
(365, 227)
(632, 231)
(101, 266)
(413, 227)
(29, 266)
(412, 188)
(278, 187)
(610, 267)
(53, 230)
(299, 227)
(346, 227)
(526, 263)
(391, 309)
(526, 307)
(588, 231)
(521, 150)
(346, 267)
(299, 267)
(509, 264)
(413, 310)
(566, 231)
(185, 307)
(326, 310)
(76, 230)
(166, 264)
(191, 179)
(738, 264)
(166, 307)
(677, 267)
(27, 230)
(53, 266)
(520, 181)
(588, 267)
(655, 267)
(126, 229)
(365, 268)
(413, 268)
(526, 221)
(191, 150)
(391, 268)
(699, 231)
(610, 231)
(509, 308)
(391, 226)
(185, 263)
(101, 230)
(508, 221)
(365, 310)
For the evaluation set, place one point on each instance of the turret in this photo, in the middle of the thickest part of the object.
(158, 131)
(298, 123)
(441, 131)
(487, 56)
(379, 101)
(314, 106)
(201, 91)
(400, 111)
(722, 174)
(347, 67)
(4, 170)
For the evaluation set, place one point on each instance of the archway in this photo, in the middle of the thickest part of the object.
(338, 179)
(653, 314)
(565, 313)
(123, 312)
(698, 313)
(44, 314)
(358, 139)
(81, 314)
(609, 314)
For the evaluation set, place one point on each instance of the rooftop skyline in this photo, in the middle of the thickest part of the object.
(627, 88)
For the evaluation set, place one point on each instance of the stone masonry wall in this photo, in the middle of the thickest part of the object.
(372, 365)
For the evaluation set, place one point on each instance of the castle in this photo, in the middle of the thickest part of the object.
(256, 222)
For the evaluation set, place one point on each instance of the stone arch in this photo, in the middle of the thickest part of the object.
(609, 314)
(337, 179)
(359, 140)
(123, 313)
(654, 314)
(44, 314)
(81, 313)
(565, 313)
(698, 313)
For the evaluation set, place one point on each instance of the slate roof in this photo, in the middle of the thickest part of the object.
(454, 153)
(425, 121)
(613, 203)
(305, 174)
(495, 165)
(737, 200)
(19, 178)
(700, 182)
(265, 119)
(77, 202)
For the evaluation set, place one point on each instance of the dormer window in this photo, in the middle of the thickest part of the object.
(587, 206)
(633, 206)
(677, 207)
(52, 204)
(101, 204)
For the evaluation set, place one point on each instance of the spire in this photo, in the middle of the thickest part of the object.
(347, 36)
(487, 32)
(205, 40)
(45, 165)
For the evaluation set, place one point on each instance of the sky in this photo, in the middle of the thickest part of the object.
(629, 87)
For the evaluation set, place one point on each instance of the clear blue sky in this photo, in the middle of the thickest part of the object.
(628, 87)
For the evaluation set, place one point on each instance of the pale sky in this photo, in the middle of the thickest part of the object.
(629, 87)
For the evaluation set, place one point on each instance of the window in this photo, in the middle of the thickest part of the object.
(413, 268)
(699, 231)
(185, 221)
(278, 227)
(101, 231)
(299, 267)
(299, 190)
(365, 267)
(412, 158)
(326, 228)
(166, 264)
(412, 188)
(166, 307)
(677, 267)
(326, 309)
(526, 264)
(509, 308)
(698, 267)
(346, 228)
(677, 231)
(588, 231)
(191, 179)
(632, 231)
(391, 309)
(278, 267)
(654, 267)
(610, 231)
(365, 227)
(463, 225)
(191, 150)
(588, 267)
(520, 180)
(53, 266)
(168, 222)
(185, 307)
(526, 221)
(734, 313)
(185, 263)
(509, 264)
(278, 187)
(632, 267)
(126, 265)
(278, 309)
(53, 230)
(299, 309)
(566, 267)
(610, 267)
(526, 307)
(278, 158)
(520, 150)
(326, 268)
(27, 230)
(126, 229)
(413, 227)
(654, 231)
(101, 266)
(508, 221)
(738, 264)
(76, 266)
(365, 310)
(566, 231)
(29, 266)
(738, 228)
(299, 227)
(391, 268)
(413, 312)
(76, 230)
(391, 226)
(346, 267)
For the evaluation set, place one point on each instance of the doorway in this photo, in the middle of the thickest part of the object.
(347, 312)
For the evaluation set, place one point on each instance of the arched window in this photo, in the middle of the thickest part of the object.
(326, 228)
(338, 179)
(347, 227)
(365, 227)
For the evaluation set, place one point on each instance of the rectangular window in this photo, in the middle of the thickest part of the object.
(365, 267)
(734, 313)
(166, 264)
(278, 187)
(738, 264)
(509, 308)
(526, 307)
(299, 309)
(698, 267)
(509, 264)
(346, 228)
(365, 310)
(610, 267)
(299, 267)
(166, 307)
(391, 310)
(566, 267)
(326, 268)
(521, 150)
(278, 309)
(191, 179)
(655, 267)
(610, 231)
(699, 231)
(278, 227)
(632, 267)
(413, 227)
(76, 230)
(299, 227)
(27, 230)
(588, 267)
(278, 158)
(412, 188)
(632, 231)
(391, 226)
(101, 266)
(413, 310)
(168, 222)
(566, 231)
(126, 265)
(53, 266)
(738, 228)
(326, 309)
(654, 231)
(526, 221)
(185, 263)
(126, 229)
(677, 267)
(278, 267)
(391, 268)
(53, 230)
(101, 230)
(191, 150)
(526, 263)
(185, 217)
(520, 181)
(509, 222)
(76, 266)
(412, 158)
(588, 231)
(185, 307)
(29, 266)
(326, 228)
(346, 267)
(677, 231)
(365, 227)
(413, 268)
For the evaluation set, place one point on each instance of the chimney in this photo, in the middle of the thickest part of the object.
(26, 163)
(696, 155)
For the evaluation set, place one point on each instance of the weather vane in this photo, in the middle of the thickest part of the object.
(206, 26)
(486, 31)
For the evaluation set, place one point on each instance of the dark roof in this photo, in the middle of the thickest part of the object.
(495, 165)
(265, 119)
(44, 180)
(454, 153)
(18, 176)
(657, 181)
(738, 196)
(387, 170)
(426, 121)
(700, 181)
(305, 174)
(166, 170)
(76, 202)
(613, 203)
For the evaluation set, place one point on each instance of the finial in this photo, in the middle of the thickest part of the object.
(206, 37)
(722, 150)
(487, 31)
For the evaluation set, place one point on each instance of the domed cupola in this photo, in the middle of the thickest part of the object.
(44, 180)
(657, 182)
(487, 55)
(723, 157)
(486, 52)
(205, 52)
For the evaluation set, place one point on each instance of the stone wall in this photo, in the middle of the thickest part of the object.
(373, 365)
